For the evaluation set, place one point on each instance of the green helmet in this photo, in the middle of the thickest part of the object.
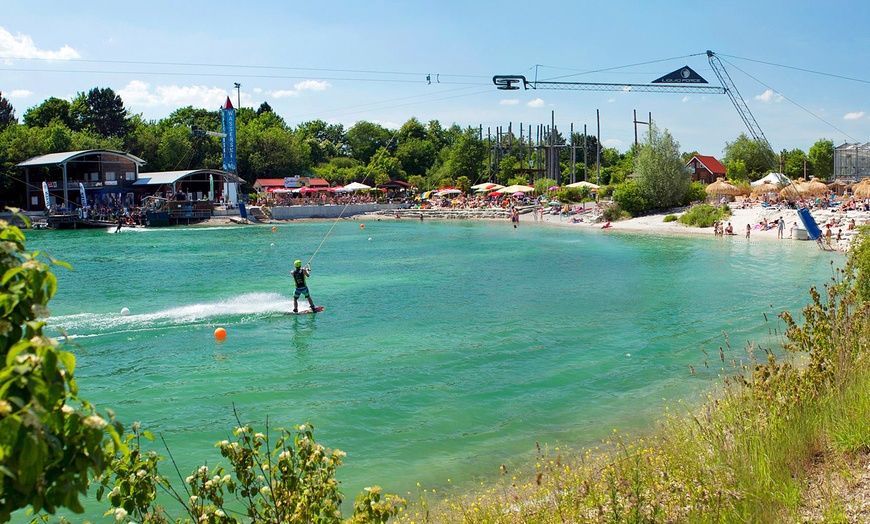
(298, 263)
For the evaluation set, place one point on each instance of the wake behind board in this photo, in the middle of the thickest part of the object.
(318, 309)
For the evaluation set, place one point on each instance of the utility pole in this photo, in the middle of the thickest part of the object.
(598, 146)
(238, 95)
(636, 122)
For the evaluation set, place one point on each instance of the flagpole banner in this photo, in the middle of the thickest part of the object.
(228, 123)
(45, 195)
(84, 196)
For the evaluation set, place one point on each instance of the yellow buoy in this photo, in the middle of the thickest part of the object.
(220, 333)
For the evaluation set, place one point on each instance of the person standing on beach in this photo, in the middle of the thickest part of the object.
(299, 275)
(748, 229)
(780, 228)
(515, 216)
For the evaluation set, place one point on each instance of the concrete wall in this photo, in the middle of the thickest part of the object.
(328, 211)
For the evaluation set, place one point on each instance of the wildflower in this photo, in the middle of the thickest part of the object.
(120, 514)
(136, 427)
(141, 473)
(67, 409)
(193, 499)
(265, 490)
(95, 421)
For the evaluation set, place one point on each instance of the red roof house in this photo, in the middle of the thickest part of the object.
(705, 169)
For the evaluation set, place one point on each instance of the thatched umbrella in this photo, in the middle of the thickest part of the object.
(796, 189)
(722, 187)
(861, 189)
(765, 189)
(816, 188)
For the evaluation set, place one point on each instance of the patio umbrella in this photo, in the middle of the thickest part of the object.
(861, 189)
(816, 188)
(495, 194)
(765, 188)
(355, 186)
(308, 190)
(517, 189)
(796, 189)
(584, 183)
(722, 187)
(448, 191)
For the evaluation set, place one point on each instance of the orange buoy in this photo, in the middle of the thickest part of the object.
(220, 333)
(362, 226)
(274, 228)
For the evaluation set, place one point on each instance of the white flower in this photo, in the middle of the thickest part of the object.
(220, 513)
(95, 421)
(120, 514)
(260, 436)
(193, 499)
(265, 490)
(141, 473)
(226, 478)
(67, 409)
(225, 443)
(189, 479)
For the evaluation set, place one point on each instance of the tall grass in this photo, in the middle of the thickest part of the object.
(745, 454)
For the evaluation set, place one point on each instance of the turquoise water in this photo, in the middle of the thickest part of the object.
(446, 348)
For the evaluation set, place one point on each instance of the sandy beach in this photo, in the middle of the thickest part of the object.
(752, 216)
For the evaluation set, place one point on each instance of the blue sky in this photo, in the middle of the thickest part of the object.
(801, 68)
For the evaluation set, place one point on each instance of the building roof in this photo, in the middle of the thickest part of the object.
(712, 165)
(55, 159)
(270, 182)
(317, 182)
(159, 178)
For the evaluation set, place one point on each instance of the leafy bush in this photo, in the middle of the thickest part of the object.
(294, 481)
(670, 218)
(629, 198)
(50, 439)
(705, 215)
(695, 193)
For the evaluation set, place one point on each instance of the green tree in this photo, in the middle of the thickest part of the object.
(822, 157)
(737, 171)
(757, 157)
(794, 163)
(365, 138)
(466, 156)
(51, 440)
(101, 111)
(7, 113)
(53, 109)
(660, 173)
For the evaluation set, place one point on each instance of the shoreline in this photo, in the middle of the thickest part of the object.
(653, 223)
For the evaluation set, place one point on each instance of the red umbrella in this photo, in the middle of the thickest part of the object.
(495, 193)
(308, 190)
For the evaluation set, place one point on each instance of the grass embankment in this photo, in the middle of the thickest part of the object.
(773, 442)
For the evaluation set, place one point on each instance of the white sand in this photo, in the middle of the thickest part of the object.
(739, 219)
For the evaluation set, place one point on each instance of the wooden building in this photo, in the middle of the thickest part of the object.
(705, 169)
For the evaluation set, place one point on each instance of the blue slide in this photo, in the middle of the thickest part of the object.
(809, 224)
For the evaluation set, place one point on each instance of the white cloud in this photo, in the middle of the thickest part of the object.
(769, 96)
(509, 102)
(857, 115)
(536, 103)
(22, 46)
(141, 94)
(305, 85)
(19, 93)
(613, 143)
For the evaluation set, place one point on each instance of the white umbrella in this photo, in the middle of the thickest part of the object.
(445, 192)
(517, 189)
(353, 186)
(583, 183)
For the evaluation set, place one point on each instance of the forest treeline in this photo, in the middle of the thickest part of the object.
(427, 155)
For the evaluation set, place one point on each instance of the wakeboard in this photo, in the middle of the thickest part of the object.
(318, 309)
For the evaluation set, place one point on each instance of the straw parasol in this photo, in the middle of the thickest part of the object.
(796, 189)
(816, 188)
(722, 187)
(765, 189)
(862, 189)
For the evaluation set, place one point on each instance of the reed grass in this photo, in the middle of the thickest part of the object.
(775, 441)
